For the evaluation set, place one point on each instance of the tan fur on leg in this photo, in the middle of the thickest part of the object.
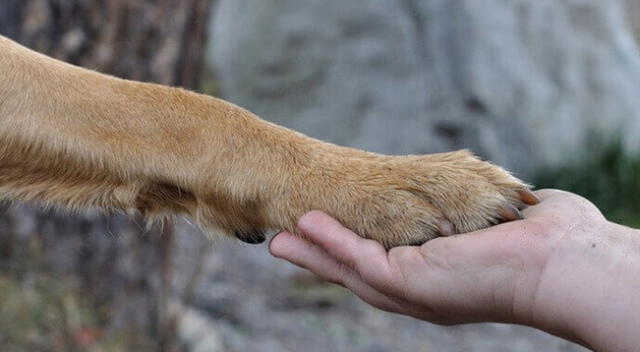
(75, 138)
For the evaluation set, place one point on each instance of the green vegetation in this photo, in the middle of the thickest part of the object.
(49, 314)
(610, 179)
(43, 310)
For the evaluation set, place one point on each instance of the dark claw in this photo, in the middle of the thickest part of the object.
(510, 213)
(251, 237)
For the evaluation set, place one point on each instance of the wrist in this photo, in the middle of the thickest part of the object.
(613, 320)
(588, 291)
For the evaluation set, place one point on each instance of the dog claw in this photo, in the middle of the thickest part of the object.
(510, 213)
(251, 237)
(528, 197)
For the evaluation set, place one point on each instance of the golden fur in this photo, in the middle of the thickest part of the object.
(75, 138)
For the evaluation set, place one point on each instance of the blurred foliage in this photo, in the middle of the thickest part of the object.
(610, 179)
(49, 314)
(43, 310)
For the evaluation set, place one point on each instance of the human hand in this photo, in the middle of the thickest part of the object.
(555, 270)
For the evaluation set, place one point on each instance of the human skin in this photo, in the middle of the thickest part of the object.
(564, 269)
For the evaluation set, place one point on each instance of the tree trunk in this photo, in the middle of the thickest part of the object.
(121, 267)
(633, 15)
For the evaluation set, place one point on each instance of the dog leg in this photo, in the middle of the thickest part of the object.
(75, 138)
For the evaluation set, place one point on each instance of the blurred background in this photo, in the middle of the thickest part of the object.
(549, 89)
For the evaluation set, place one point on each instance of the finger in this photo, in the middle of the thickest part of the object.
(367, 257)
(544, 194)
(560, 205)
(309, 256)
(376, 298)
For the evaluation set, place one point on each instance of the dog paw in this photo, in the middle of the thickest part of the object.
(410, 200)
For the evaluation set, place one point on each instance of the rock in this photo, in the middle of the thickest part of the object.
(196, 332)
(527, 84)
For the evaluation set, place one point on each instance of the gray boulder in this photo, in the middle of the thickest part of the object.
(527, 84)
